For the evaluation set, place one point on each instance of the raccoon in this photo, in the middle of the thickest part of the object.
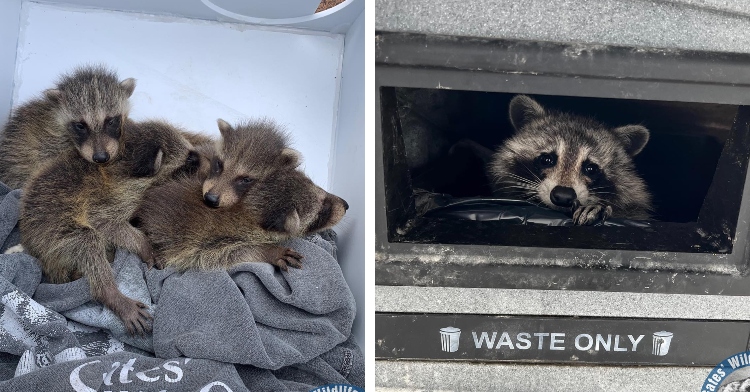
(271, 201)
(74, 214)
(255, 149)
(84, 111)
(571, 164)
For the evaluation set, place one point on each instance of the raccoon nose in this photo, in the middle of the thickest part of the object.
(562, 196)
(211, 200)
(346, 205)
(101, 157)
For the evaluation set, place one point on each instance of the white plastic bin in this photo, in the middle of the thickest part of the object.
(199, 60)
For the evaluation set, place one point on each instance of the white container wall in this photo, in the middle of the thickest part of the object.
(192, 71)
(348, 168)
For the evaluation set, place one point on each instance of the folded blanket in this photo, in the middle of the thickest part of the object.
(252, 327)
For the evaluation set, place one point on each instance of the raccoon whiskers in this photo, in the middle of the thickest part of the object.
(527, 187)
(522, 191)
(517, 189)
(344, 225)
(522, 179)
(520, 187)
(520, 162)
(532, 198)
(531, 172)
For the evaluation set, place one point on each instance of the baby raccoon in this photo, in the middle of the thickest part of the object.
(85, 110)
(74, 214)
(271, 201)
(571, 164)
(245, 154)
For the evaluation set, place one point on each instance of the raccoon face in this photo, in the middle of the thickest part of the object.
(97, 144)
(248, 155)
(293, 205)
(92, 105)
(564, 161)
(568, 175)
(224, 188)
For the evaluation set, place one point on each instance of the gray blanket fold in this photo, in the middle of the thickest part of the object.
(253, 314)
(250, 328)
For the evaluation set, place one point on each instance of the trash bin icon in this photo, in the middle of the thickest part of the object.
(449, 339)
(661, 342)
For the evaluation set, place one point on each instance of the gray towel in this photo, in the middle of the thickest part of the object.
(74, 300)
(27, 329)
(125, 371)
(255, 314)
(287, 331)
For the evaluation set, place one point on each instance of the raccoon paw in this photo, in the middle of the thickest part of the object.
(156, 261)
(146, 254)
(160, 262)
(287, 257)
(134, 315)
(588, 215)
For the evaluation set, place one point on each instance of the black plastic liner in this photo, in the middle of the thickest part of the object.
(520, 212)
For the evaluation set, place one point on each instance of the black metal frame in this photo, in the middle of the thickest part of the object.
(701, 258)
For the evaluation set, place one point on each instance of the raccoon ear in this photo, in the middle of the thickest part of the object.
(291, 225)
(524, 109)
(224, 128)
(53, 94)
(633, 137)
(158, 161)
(290, 158)
(128, 85)
(282, 221)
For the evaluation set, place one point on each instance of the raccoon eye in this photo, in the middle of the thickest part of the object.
(112, 121)
(245, 181)
(546, 160)
(591, 169)
(79, 126)
(217, 166)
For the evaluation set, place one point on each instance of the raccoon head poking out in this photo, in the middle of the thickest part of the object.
(92, 107)
(572, 164)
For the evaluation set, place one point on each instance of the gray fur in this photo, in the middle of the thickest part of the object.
(575, 142)
(42, 129)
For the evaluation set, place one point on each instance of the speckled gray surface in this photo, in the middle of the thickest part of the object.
(406, 299)
(464, 376)
(715, 25)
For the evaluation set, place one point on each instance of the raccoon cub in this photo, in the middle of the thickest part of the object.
(572, 164)
(254, 150)
(84, 111)
(74, 214)
(264, 199)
